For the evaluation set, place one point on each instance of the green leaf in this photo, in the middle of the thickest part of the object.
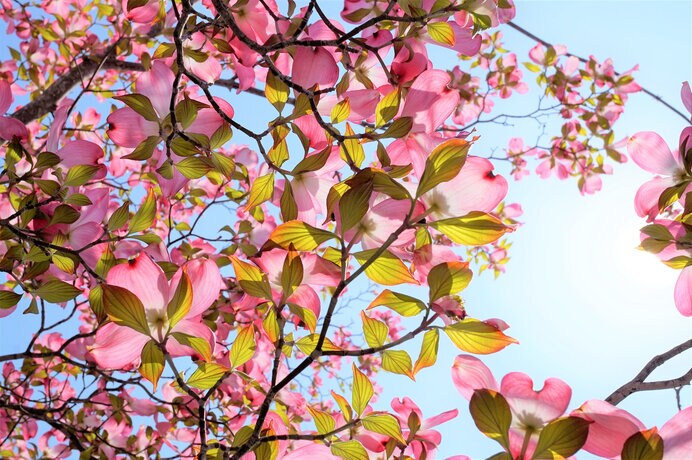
(397, 362)
(289, 208)
(375, 331)
(643, 445)
(399, 128)
(251, 279)
(125, 309)
(140, 104)
(302, 236)
(441, 32)
(352, 148)
(193, 167)
(292, 272)
(180, 304)
(561, 438)
(403, 304)
(354, 204)
(145, 215)
(341, 111)
(79, 175)
(362, 390)
(448, 278)
(198, 344)
(474, 229)
(262, 190)
(384, 424)
(324, 422)
(349, 450)
(443, 164)
(153, 362)
(344, 406)
(206, 376)
(492, 415)
(428, 350)
(313, 162)
(8, 299)
(474, 336)
(64, 214)
(386, 269)
(144, 150)
(243, 348)
(56, 291)
(387, 108)
(119, 217)
(276, 91)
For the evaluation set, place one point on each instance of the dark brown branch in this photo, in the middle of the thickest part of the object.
(638, 383)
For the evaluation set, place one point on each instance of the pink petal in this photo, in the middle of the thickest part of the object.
(439, 419)
(318, 271)
(646, 198)
(677, 436)
(5, 96)
(80, 152)
(610, 428)
(143, 278)
(470, 374)
(476, 188)
(429, 101)
(11, 128)
(683, 291)
(55, 131)
(156, 84)
(206, 284)
(533, 406)
(685, 95)
(128, 129)
(306, 297)
(118, 347)
(194, 328)
(314, 66)
(651, 153)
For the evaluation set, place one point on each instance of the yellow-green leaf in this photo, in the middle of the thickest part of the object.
(362, 390)
(243, 348)
(443, 164)
(492, 415)
(145, 215)
(428, 350)
(398, 362)
(374, 330)
(474, 336)
(341, 111)
(324, 422)
(152, 362)
(304, 237)
(292, 272)
(276, 91)
(8, 299)
(352, 148)
(56, 291)
(387, 108)
(403, 304)
(384, 424)
(474, 229)
(441, 32)
(79, 175)
(262, 190)
(349, 450)
(643, 445)
(251, 279)
(193, 167)
(124, 308)
(206, 376)
(140, 104)
(448, 278)
(270, 325)
(308, 343)
(198, 344)
(181, 302)
(278, 154)
(561, 438)
(386, 269)
(343, 404)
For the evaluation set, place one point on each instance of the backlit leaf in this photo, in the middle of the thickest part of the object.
(206, 376)
(474, 229)
(153, 362)
(397, 362)
(304, 237)
(492, 415)
(386, 269)
(243, 348)
(428, 350)
(561, 438)
(362, 390)
(403, 304)
(124, 308)
(443, 164)
(474, 336)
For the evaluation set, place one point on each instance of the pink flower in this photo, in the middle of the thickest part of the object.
(10, 128)
(611, 427)
(531, 410)
(120, 347)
